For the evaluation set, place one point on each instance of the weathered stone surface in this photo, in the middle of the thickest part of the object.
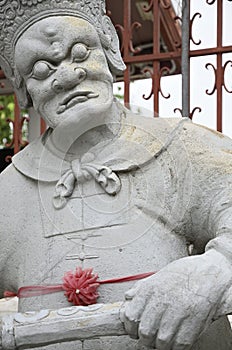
(105, 189)
(96, 327)
(113, 343)
(72, 345)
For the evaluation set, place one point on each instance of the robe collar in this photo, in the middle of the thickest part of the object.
(139, 141)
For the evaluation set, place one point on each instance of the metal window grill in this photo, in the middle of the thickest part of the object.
(166, 24)
(161, 42)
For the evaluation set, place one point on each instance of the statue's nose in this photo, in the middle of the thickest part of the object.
(67, 77)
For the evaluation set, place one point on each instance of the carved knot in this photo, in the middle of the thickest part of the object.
(80, 172)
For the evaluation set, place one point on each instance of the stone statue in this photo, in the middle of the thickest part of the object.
(105, 194)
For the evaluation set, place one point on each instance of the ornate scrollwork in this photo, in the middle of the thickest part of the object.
(191, 113)
(148, 71)
(224, 69)
(197, 14)
(121, 30)
(149, 7)
(178, 110)
(135, 25)
(69, 311)
(8, 159)
(31, 317)
(31, 2)
(16, 15)
(20, 140)
(177, 18)
(210, 2)
(207, 66)
(166, 4)
(162, 71)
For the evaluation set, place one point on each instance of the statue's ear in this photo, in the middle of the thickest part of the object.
(110, 43)
(24, 99)
(16, 82)
(6, 67)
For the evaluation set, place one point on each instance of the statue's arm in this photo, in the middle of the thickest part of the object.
(171, 309)
(220, 226)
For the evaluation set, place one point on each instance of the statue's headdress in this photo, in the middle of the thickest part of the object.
(18, 15)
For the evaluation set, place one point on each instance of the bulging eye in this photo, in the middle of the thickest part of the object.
(42, 70)
(80, 53)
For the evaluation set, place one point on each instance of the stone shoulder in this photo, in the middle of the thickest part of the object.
(210, 151)
(10, 182)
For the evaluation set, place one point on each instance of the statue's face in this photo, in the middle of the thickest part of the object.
(64, 67)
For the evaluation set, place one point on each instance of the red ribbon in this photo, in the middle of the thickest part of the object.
(80, 287)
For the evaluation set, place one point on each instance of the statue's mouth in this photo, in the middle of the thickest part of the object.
(75, 98)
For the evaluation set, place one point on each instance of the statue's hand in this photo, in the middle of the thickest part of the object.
(170, 309)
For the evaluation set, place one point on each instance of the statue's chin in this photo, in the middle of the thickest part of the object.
(79, 115)
(78, 120)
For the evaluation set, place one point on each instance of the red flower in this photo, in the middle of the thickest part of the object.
(81, 287)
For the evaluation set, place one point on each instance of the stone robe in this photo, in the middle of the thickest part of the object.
(175, 196)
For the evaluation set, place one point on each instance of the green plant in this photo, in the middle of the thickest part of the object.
(6, 113)
(7, 118)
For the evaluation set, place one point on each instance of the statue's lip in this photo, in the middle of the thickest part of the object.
(74, 98)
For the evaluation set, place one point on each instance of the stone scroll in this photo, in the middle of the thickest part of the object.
(33, 329)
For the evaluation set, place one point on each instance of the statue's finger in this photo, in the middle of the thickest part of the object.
(169, 324)
(187, 334)
(149, 324)
(132, 315)
(130, 294)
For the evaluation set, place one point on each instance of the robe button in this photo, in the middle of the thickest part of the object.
(82, 256)
(84, 235)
